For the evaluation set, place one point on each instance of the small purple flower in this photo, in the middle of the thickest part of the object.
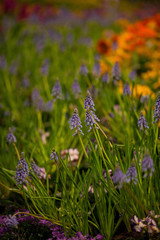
(118, 177)
(76, 88)
(48, 107)
(91, 119)
(131, 175)
(11, 222)
(105, 78)
(53, 155)
(126, 89)
(13, 68)
(147, 166)
(36, 169)
(10, 137)
(22, 171)
(156, 115)
(83, 70)
(56, 90)
(116, 73)
(3, 63)
(96, 69)
(26, 82)
(132, 75)
(142, 123)
(138, 224)
(45, 67)
(75, 122)
(88, 103)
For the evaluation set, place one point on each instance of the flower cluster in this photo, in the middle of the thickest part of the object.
(22, 171)
(75, 122)
(147, 224)
(56, 90)
(91, 117)
(53, 155)
(10, 137)
(142, 123)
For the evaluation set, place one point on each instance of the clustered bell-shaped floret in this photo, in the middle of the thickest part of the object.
(22, 171)
(142, 123)
(116, 73)
(53, 155)
(156, 115)
(126, 90)
(11, 222)
(56, 90)
(131, 175)
(76, 88)
(10, 137)
(75, 122)
(147, 166)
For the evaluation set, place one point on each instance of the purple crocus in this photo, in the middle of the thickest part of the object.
(147, 166)
(142, 123)
(22, 171)
(75, 123)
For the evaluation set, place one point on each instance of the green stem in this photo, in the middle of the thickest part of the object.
(18, 155)
(82, 146)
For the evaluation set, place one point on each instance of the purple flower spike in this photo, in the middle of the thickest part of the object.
(118, 177)
(36, 169)
(116, 73)
(142, 123)
(75, 122)
(88, 103)
(76, 88)
(3, 63)
(147, 166)
(25, 82)
(57, 91)
(157, 110)
(11, 222)
(45, 67)
(83, 70)
(126, 90)
(132, 75)
(10, 137)
(53, 155)
(131, 175)
(105, 78)
(22, 171)
(96, 69)
(91, 117)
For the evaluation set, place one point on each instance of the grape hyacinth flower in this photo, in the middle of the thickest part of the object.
(56, 90)
(3, 63)
(83, 70)
(88, 103)
(105, 78)
(91, 117)
(96, 69)
(132, 75)
(116, 73)
(25, 82)
(36, 169)
(75, 122)
(11, 222)
(126, 89)
(45, 67)
(118, 177)
(53, 155)
(147, 166)
(76, 88)
(131, 175)
(10, 137)
(156, 115)
(22, 171)
(142, 123)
